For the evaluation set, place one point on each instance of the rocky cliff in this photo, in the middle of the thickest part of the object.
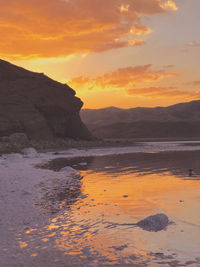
(38, 106)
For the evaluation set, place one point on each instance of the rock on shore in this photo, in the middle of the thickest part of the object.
(154, 223)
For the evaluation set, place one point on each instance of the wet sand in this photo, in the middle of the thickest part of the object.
(54, 218)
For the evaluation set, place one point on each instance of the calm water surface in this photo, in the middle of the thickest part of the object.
(123, 189)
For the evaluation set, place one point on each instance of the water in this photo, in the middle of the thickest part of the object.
(123, 189)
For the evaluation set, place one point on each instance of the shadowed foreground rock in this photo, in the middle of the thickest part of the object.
(37, 106)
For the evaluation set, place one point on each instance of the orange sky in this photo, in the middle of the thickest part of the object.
(121, 53)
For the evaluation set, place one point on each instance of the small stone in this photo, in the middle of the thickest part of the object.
(154, 223)
(68, 169)
(84, 196)
(83, 163)
(29, 152)
(120, 248)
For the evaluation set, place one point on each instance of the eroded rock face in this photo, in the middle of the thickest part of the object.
(33, 104)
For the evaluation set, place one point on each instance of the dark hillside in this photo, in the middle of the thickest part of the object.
(38, 106)
(177, 121)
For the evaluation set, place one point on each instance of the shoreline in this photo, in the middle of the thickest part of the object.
(30, 197)
(65, 144)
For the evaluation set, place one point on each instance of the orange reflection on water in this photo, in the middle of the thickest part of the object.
(22, 244)
(93, 227)
(139, 195)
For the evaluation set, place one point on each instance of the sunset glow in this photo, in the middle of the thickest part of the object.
(113, 53)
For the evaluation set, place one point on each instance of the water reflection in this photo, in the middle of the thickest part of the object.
(125, 189)
(177, 163)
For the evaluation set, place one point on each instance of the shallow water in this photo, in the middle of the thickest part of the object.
(123, 189)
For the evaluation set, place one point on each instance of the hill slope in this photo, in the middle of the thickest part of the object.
(180, 120)
(38, 106)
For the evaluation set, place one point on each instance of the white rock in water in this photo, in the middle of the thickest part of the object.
(83, 163)
(30, 152)
(154, 223)
(68, 169)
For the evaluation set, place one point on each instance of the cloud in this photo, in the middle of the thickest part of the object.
(159, 92)
(123, 78)
(193, 44)
(135, 81)
(43, 28)
(195, 83)
(139, 29)
(163, 92)
(168, 66)
(169, 5)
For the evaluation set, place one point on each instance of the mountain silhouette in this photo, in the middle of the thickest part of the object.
(180, 120)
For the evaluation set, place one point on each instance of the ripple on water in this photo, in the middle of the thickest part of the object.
(100, 226)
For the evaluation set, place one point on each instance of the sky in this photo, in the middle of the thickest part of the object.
(123, 53)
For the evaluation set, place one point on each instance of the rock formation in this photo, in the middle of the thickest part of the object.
(37, 106)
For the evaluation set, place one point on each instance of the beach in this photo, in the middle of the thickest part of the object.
(80, 207)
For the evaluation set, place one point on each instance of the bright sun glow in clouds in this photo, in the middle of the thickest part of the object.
(120, 52)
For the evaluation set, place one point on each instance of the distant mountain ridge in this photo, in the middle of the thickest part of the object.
(179, 120)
